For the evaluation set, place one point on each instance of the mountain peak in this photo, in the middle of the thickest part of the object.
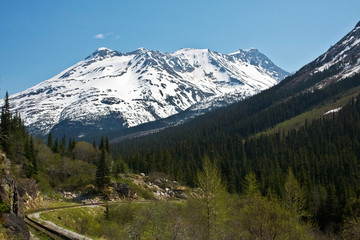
(111, 90)
(190, 50)
(103, 52)
(142, 50)
(102, 49)
(251, 50)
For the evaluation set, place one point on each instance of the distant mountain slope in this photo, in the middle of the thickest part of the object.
(251, 116)
(333, 75)
(340, 61)
(322, 152)
(110, 90)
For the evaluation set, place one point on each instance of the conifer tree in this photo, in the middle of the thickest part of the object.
(71, 145)
(209, 180)
(56, 146)
(102, 144)
(6, 115)
(5, 126)
(251, 186)
(50, 141)
(107, 145)
(30, 165)
(33, 156)
(63, 145)
(294, 197)
(102, 177)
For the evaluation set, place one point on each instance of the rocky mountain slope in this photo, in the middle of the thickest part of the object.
(342, 60)
(110, 90)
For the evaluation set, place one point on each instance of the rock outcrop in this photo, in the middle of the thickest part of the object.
(11, 210)
(124, 190)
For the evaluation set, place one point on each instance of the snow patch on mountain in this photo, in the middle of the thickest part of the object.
(333, 111)
(345, 54)
(142, 86)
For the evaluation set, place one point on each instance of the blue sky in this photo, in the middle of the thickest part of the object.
(38, 39)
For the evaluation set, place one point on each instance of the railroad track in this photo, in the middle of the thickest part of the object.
(48, 231)
(52, 233)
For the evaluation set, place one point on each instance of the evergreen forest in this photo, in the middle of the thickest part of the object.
(322, 153)
(304, 179)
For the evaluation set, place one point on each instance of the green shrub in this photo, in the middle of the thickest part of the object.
(4, 207)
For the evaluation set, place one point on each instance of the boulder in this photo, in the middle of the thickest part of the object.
(124, 190)
(16, 226)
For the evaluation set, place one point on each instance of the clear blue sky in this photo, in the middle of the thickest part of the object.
(40, 38)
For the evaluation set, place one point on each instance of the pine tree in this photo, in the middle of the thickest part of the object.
(102, 144)
(107, 145)
(209, 180)
(30, 165)
(294, 197)
(102, 177)
(5, 126)
(56, 146)
(50, 141)
(33, 156)
(63, 145)
(251, 186)
(71, 145)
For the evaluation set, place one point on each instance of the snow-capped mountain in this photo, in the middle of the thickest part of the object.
(109, 90)
(340, 61)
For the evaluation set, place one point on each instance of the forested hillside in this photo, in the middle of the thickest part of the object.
(323, 153)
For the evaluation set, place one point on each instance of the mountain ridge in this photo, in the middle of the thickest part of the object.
(239, 139)
(110, 90)
(339, 62)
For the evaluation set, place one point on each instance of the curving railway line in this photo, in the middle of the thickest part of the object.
(48, 231)
(56, 233)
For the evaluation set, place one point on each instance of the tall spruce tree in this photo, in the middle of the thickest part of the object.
(102, 144)
(56, 146)
(294, 196)
(214, 193)
(30, 165)
(71, 145)
(63, 145)
(107, 144)
(50, 141)
(5, 126)
(102, 177)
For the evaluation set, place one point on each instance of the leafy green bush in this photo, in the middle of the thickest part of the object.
(4, 207)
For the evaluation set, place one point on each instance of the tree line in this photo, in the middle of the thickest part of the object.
(323, 153)
(61, 163)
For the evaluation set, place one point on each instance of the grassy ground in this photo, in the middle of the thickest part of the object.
(117, 221)
(51, 204)
(83, 220)
(38, 235)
